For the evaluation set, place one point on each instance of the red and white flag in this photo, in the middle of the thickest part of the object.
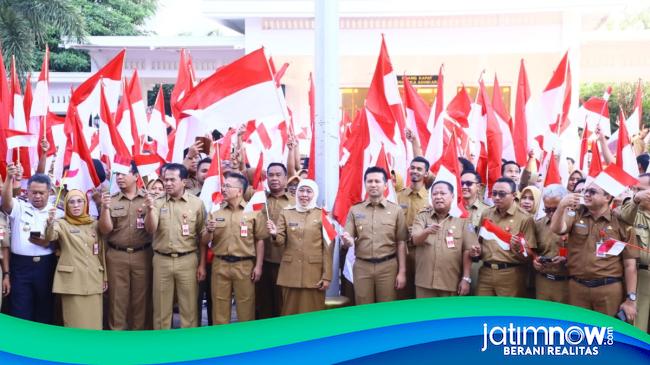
(329, 232)
(449, 172)
(211, 193)
(490, 231)
(158, 125)
(41, 97)
(634, 120)
(625, 156)
(505, 122)
(614, 180)
(185, 82)
(596, 165)
(225, 100)
(489, 165)
(257, 202)
(552, 174)
(112, 148)
(311, 167)
(552, 118)
(16, 139)
(417, 113)
(81, 174)
(138, 105)
(610, 247)
(148, 165)
(520, 137)
(382, 161)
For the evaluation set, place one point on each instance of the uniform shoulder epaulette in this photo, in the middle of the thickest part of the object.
(426, 210)
(289, 207)
(358, 203)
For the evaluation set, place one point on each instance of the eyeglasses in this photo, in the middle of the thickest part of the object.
(590, 191)
(468, 183)
(500, 194)
(228, 186)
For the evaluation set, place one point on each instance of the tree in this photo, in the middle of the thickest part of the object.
(102, 18)
(26, 24)
(623, 96)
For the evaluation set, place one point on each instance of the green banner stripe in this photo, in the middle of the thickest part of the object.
(72, 345)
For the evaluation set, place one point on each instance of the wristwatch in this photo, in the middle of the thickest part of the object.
(467, 279)
(631, 296)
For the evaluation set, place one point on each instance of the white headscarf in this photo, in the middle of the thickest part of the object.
(312, 204)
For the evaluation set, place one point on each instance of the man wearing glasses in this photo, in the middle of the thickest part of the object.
(470, 183)
(238, 245)
(504, 272)
(552, 279)
(597, 279)
(412, 200)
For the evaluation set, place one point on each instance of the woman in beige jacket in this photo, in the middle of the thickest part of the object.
(306, 267)
(80, 276)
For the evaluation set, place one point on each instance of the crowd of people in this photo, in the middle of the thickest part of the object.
(152, 245)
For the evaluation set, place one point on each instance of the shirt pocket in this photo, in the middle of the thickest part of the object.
(643, 234)
(65, 268)
(315, 259)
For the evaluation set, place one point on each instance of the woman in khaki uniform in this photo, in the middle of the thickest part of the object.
(80, 277)
(306, 267)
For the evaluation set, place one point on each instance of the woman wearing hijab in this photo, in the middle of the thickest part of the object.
(306, 267)
(80, 276)
(530, 199)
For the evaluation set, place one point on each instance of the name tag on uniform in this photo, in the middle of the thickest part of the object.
(220, 219)
(293, 224)
(139, 223)
(243, 229)
(96, 248)
(404, 206)
(642, 226)
(598, 253)
(579, 225)
(185, 228)
(164, 210)
(359, 216)
(450, 240)
(74, 230)
(118, 208)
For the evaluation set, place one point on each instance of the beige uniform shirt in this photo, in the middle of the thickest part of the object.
(80, 269)
(125, 214)
(475, 211)
(236, 232)
(439, 261)
(307, 258)
(192, 185)
(171, 215)
(642, 227)
(273, 253)
(584, 234)
(548, 244)
(412, 202)
(376, 228)
(514, 221)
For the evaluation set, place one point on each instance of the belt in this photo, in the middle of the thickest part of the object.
(379, 259)
(643, 267)
(593, 283)
(33, 258)
(174, 254)
(229, 258)
(499, 265)
(129, 249)
(555, 277)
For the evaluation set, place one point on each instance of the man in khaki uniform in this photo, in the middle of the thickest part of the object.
(552, 279)
(443, 244)
(5, 240)
(176, 220)
(237, 242)
(504, 272)
(267, 292)
(377, 230)
(470, 183)
(642, 227)
(413, 199)
(597, 279)
(128, 255)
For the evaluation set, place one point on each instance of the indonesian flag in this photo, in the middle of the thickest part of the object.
(311, 167)
(158, 125)
(257, 202)
(184, 83)
(148, 165)
(611, 247)
(41, 98)
(596, 166)
(16, 139)
(584, 148)
(552, 174)
(449, 172)
(211, 192)
(595, 113)
(329, 232)
(520, 128)
(554, 104)
(382, 161)
(634, 120)
(504, 121)
(86, 98)
(138, 106)
(17, 119)
(5, 107)
(81, 174)
(490, 231)
(417, 113)
(257, 181)
(491, 160)
(241, 91)
(124, 122)
(111, 146)
(614, 180)
(625, 156)
(436, 127)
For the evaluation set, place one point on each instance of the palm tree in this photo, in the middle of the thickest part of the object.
(24, 25)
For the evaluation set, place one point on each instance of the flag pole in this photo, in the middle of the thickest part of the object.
(58, 195)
